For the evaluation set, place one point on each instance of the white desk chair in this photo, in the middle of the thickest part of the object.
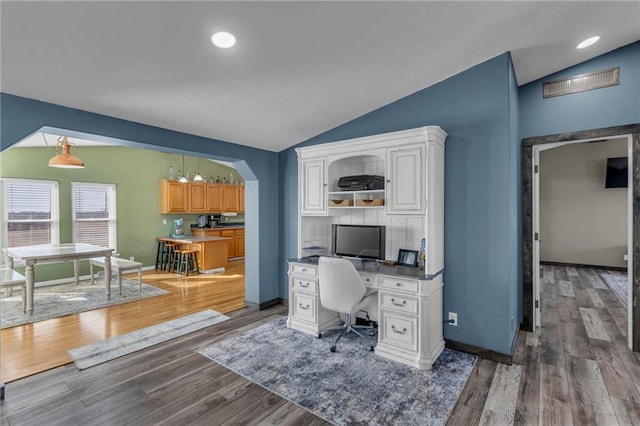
(341, 290)
(10, 279)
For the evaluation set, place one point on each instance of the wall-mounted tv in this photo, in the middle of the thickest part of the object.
(617, 172)
(363, 241)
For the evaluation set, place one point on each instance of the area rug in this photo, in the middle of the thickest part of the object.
(617, 282)
(350, 386)
(66, 299)
(106, 350)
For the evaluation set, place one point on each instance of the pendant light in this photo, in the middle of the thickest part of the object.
(65, 160)
(182, 179)
(197, 177)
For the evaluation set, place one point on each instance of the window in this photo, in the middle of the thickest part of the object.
(94, 213)
(30, 212)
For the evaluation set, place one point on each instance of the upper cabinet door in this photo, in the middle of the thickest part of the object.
(313, 189)
(214, 198)
(405, 180)
(173, 196)
(230, 198)
(197, 197)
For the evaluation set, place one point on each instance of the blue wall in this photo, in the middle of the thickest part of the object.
(481, 194)
(20, 117)
(610, 106)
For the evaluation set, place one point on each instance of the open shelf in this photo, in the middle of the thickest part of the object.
(357, 199)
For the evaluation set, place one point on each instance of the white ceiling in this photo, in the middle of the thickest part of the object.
(298, 69)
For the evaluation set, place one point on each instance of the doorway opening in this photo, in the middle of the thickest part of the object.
(531, 219)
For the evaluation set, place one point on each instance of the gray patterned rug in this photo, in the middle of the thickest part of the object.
(617, 282)
(351, 386)
(66, 299)
(106, 350)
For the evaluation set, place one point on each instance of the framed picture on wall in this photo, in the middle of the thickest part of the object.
(408, 258)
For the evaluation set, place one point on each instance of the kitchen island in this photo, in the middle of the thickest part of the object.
(233, 232)
(212, 251)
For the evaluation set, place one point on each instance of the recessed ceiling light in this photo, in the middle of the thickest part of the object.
(588, 42)
(223, 39)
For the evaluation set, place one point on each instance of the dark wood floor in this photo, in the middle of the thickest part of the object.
(576, 369)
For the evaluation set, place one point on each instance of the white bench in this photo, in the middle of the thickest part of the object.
(118, 266)
(10, 279)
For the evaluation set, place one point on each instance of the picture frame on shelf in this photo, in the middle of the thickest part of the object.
(408, 258)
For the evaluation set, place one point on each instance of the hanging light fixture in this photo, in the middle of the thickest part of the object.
(197, 177)
(183, 178)
(65, 160)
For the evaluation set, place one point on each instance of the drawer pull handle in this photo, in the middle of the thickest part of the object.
(393, 301)
(304, 308)
(304, 269)
(367, 279)
(303, 284)
(398, 284)
(404, 330)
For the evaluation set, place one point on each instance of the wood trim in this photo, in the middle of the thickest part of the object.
(480, 352)
(581, 265)
(527, 234)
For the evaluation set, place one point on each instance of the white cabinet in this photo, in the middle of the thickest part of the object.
(405, 180)
(409, 312)
(305, 312)
(313, 189)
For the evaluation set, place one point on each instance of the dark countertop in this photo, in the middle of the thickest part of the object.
(216, 228)
(373, 266)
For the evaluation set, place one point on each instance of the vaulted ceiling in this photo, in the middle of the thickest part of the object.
(298, 68)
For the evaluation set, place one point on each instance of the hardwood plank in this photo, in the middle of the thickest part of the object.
(565, 289)
(501, 402)
(527, 406)
(596, 301)
(287, 414)
(628, 413)
(593, 324)
(555, 400)
(590, 400)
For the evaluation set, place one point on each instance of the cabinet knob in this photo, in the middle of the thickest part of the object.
(388, 180)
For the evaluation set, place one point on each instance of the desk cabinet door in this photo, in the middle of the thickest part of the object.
(313, 190)
(405, 180)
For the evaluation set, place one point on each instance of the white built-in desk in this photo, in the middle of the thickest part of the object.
(409, 309)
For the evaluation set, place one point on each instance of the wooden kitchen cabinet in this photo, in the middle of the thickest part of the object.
(173, 197)
(230, 198)
(197, 198)
(230, 233)
(235, 246)
(241, 199)
(238, 240)
(214, 198)
(200, 197)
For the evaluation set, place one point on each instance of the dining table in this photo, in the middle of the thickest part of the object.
(31, 255)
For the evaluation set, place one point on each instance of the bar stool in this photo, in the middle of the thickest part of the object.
(169, 259)
(187, 261)
(160, 254)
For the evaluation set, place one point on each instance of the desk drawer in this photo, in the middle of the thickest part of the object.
(399, 330)
(305, 284)
(369, 280)
(298, 268)
(402, 284)
(399, 302)
(304, 307)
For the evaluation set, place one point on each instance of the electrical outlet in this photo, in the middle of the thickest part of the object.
(164, 221)
(453, 319)
(132, 258)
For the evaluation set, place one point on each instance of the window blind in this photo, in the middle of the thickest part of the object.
(30, 212)
(94, 214)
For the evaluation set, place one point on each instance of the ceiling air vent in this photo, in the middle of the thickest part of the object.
(582, 83)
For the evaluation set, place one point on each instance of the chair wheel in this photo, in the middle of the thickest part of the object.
(319, 335)
(332, 348)
(371, 348)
